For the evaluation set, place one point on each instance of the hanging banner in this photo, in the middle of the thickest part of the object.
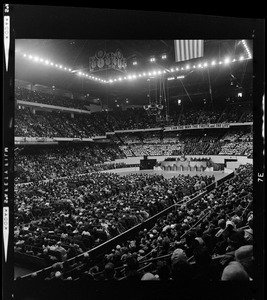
(103, 60)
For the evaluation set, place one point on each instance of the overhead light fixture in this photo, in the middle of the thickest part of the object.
(163, 56)
(170, 78)
(180, 77)
(227, 60)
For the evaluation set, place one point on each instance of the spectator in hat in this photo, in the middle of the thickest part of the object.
(163, 271)
(234, 271)
(235, 240)
(109, 272)
(244, 255)
(204, 269)
(148, 276)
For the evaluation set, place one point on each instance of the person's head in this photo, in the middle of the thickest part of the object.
(201, 255)
(222, 223)
(244, 255)
(163, 270)
(148, 276)
(234, 271)
(109, 270)
(236, 239)
(181, 270)
(178, 254)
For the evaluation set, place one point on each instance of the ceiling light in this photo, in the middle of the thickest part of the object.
(213, 63)
(227, 60)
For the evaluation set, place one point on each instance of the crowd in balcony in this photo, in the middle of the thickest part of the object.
(58, 124)
(24, 94)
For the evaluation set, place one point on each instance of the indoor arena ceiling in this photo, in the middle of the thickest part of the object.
(74, 54)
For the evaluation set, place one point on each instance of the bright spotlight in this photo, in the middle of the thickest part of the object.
(205, 64)
(70, 70)
(187, 67)
(213, 63)
(51, 64)
(25, 55)
(79, 73)
(60, 67)
(241, 58)
(47, 62)
(36, 58)
(227, 60)
(30, 56)
(172, 70)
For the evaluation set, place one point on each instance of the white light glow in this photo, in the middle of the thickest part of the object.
(79, 73)
(30, 56)
(227, 60)
(25, 55)
(241, 58)
(172, 70)
(213, 63)
(47, 62)
(51, 64)
(36, 58)
(187, 67)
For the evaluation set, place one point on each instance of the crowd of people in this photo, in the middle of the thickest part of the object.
(24, 94)
(209, 240)
(79, 212)
(47, 162)
(59, 124)
(230, 143)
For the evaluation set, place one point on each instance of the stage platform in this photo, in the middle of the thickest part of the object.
(167, 174)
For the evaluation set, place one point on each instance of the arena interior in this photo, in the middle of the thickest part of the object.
(133, 160)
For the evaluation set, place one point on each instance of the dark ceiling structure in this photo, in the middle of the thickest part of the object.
(217, 81)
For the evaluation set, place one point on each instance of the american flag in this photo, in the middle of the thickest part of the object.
(188, 49)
